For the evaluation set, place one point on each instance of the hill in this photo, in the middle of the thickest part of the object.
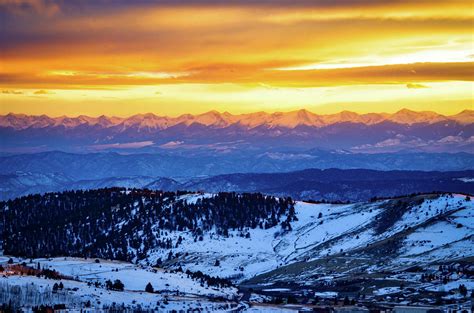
(336, 184)
(316, 184)
(272, 246)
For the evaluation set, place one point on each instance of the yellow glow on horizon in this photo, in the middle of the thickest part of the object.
(173, 100)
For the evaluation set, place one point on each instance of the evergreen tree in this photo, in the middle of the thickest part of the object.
(149, 288)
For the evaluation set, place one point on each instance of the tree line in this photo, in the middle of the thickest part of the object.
(121, 224)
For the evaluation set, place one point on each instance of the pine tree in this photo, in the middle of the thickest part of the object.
(149, 288)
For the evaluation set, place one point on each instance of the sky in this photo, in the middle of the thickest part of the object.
(168, 57)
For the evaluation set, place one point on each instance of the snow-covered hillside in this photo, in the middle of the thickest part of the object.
(260, 244)
(172, 291)
(328, 230)
(82, 285)
(134, 278)
(414, 229)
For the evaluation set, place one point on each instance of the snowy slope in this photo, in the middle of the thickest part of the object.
(340, 229)
(327, 242)
(180, 291)
(173, 292)
(133, 277)
(450, 238)
(77, 293)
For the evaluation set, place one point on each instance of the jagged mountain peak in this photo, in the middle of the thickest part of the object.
(216, 119)
(406, 116)
(211, 118)
(464, 117)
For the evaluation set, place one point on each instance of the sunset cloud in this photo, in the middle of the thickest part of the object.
(23, 7)
(43, 92)
(122, 45)
(11, 92)
(416, 86)
(256, 74)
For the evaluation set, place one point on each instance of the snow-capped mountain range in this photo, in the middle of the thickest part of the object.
(150, 121)
(225, 133)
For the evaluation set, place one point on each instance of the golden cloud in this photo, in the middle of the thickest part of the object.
(12, 92)
(43, 92)
(255, 74)
(264, 45)
(416, 86)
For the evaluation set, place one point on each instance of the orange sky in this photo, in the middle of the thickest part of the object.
(170, 57)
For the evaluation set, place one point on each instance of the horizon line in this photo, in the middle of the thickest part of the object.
(233, 114)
